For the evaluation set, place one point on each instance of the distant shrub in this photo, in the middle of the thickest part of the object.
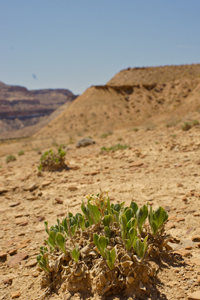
(10, 158)
(21, 152)
(105, 135)
(188, 125)
(195, 122)
(52, 161)
(114, 148)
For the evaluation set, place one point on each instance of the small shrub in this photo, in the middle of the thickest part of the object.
(195, 122)
(105, 135)
(108, 242)
(186, 126)
(21, 152)
(135, 129)
(114, 148)
(52, 161)
(10, 158)
(173, 136)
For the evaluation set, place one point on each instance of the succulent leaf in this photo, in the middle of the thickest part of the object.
(141, 216)
(134, 207)
(60, 241)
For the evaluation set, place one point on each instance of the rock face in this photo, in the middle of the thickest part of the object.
(20, 107)
(85, 142)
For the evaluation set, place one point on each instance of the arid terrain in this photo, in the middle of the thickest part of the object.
(24, 112)
(161, 165)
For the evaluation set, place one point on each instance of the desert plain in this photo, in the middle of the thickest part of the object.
(161, 166)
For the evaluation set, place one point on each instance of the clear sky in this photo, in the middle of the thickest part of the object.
(78, 43)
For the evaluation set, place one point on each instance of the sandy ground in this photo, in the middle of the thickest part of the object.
(161, 166)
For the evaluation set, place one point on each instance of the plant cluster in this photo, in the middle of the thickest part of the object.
(114, 148)
(10, 158)
(107, 249)
(105, 135)
(52, 161)
(188, 125)
(21, 153)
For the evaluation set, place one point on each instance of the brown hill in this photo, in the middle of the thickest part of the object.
(133, 97)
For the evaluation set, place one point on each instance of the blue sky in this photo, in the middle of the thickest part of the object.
(78, 43)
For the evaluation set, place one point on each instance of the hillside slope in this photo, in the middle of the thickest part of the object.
(128, 100)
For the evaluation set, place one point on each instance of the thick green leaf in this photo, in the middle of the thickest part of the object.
(115, 216)
(110, 257)
(43, 263)
(60, 241)
(73, 229)
(132, 234)
(131, 223)
(107, 232)
(52, 236)
(87, 224)
(128, 244)
(86, 212)
(160, 216)
(65, 225)
(157, 218)
(96, 240)
(107, 220)
(103, 242)
(75, 254)
(141, 216)
(129, 214)
(95, 213)
(140, 247)
(81, 222)
(134, 207)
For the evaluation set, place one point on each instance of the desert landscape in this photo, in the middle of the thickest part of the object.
(143, 132)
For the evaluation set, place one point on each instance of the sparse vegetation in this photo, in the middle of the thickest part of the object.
(105, 135)
(188, 125)
(114, 148)
(36, 149)
(71, 140)
(52, 161)
(10, 158)
(21, 153)
(107, 249)
(173, 136)
(172, 123)
(135, 129)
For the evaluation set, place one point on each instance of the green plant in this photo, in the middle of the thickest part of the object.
(10, 158)
(186, 126)
(110, 257)
(75, 253)
(105, 135)
(114, 148)
(173, 136)
(106, 243)
(51, 160)
(135, 129)
(21, 152)
(157, 218)
(195, 122)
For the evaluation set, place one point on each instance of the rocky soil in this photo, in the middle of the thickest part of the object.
(161, 166)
